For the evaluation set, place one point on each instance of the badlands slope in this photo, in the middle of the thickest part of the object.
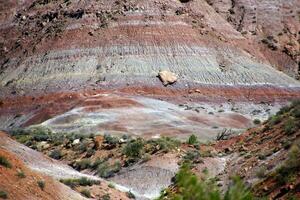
(51, 46)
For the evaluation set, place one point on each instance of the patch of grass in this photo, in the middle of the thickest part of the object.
(4, 162)
(86, 193)
(3, 194)
(41, 184)
(130, 195)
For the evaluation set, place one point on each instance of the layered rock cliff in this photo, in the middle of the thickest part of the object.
(50, 46)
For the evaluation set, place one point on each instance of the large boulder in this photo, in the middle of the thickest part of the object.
(167, 77)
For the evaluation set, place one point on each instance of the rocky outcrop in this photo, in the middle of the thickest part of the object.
(273, 25)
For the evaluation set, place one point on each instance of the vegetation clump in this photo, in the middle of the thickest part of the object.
(105, 170)
(56, 154)
(21, 174)
(164, 144)
(73, 183)
(290, 126)
(134, 148)
(86, 193)
(4, 162)
(83, 164)
(189, 187)
(291, 166)
(256, 121)
(130, 195)
(193, 140)
(3, 194)
(41, 184)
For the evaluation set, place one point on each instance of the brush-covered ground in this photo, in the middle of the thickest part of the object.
(263, 162)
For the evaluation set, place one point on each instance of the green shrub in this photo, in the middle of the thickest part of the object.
(116, 167)
(105, 197)
(190, 187)
(256, 121)
(21, 174)
(105, 170)
(56, 154)
(83, 164)
(4, 162)
(291, 165)
(238, 191)
(87, 182)
(82, 147)
(146, 157)
(97, 162)
(72, 183)
(41, 184)
(283, 110)
(296, 112)
(192, 156)
(134, 148)
(275, 119)
(193, 140)
(164, 144)
(261, 172)
(290, 126)
(111, 185)
(3, 194)
(130, 195)
(86, 193)
(110, 139)
(296, 108)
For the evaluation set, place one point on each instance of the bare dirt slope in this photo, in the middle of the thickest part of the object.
(27, 188)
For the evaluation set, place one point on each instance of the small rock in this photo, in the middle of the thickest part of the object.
(77, 141)
(265, 188)
(42, 145)
(23, 17)
(167, 77)
(122, 140)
